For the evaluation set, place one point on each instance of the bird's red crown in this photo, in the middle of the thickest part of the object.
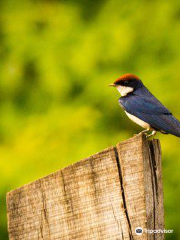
(126, 77)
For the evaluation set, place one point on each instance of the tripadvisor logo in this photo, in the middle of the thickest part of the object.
(139, 231)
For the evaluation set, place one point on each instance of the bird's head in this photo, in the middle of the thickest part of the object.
(127, 83)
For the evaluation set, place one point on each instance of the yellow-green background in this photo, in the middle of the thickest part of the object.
(56, 61)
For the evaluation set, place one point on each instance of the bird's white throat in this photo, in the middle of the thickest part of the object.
(124, 90)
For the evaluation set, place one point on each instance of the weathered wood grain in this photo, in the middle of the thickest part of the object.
(103, 197)
(141, 171)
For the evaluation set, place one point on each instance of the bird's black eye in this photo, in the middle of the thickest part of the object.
(126, 83)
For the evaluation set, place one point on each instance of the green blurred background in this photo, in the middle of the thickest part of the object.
(56, 61)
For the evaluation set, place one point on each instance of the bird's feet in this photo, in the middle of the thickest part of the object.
(152, 134)
(142, 132)
(145, 132)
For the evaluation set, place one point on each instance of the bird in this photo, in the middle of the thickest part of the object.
(143, 108)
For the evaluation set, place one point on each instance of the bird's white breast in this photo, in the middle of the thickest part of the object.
(138, 121)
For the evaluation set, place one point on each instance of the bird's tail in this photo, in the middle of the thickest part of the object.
(173, 125)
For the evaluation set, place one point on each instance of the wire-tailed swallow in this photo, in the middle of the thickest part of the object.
(143, 108)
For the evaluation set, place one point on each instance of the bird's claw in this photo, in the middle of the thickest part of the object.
(152, 134)
(137, 134)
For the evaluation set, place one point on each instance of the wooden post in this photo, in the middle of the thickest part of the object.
(105, 196)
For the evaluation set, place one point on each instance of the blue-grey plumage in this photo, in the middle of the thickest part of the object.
(145, 106)
(138, 101)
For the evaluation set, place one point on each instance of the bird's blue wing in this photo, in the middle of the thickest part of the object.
(143, 101)
(147, 108)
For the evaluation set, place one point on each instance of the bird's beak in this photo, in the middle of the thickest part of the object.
(112, 85)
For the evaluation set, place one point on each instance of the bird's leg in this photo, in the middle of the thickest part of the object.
(144, 131)
(152, 134)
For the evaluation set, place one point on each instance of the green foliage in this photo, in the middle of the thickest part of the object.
(57, 59)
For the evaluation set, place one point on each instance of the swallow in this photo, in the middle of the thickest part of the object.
(143, 108)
